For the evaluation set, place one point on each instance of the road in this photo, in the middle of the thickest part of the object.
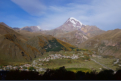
(102, 65)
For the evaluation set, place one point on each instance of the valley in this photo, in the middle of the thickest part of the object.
(76, 60)
(73, 45)
(60, 40)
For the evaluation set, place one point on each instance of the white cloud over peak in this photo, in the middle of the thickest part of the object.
(102, 13)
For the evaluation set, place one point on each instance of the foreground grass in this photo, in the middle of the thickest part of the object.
(107, 62)
(75, 70)
(70, 63)
(77, 63)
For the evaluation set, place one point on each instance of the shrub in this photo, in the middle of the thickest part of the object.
(69, 61)
(10, 37)
(24, 67)
(31, 68)
(87, 58)
(0, 67)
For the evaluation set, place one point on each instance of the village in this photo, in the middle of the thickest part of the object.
(59, 56)
(24, 67)
(52, 57)
(36, 64)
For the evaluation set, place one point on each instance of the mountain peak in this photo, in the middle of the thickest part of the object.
(73, 21)
(73, 18)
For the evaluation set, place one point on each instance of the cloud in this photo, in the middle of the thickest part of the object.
(102, 13)
(33, 7)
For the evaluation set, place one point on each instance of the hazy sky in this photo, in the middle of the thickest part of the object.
(49, 14)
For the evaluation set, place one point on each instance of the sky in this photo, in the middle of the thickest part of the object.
(50, 14)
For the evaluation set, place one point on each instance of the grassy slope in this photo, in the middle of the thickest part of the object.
(108, 43)
(13, 47)
(76, 64)
(18, 47)
(49, 43)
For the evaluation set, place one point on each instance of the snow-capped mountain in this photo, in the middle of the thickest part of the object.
(31, 28)
(74, 22)
(74, 32)
(71, 24)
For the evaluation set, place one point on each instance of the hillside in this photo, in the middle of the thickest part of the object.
(13, 47)
(24, 46)
(75, 37)
(35, 38)
(108, 43)
(91, 31)
(27, 34)
(49, 43)
(2, 23)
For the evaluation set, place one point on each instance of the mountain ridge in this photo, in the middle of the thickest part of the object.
(72, 25)
(107, 43)
(17, 47)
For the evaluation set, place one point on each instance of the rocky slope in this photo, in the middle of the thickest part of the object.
(74, 32)
(108, 43)
(75, 37)
(91, 31)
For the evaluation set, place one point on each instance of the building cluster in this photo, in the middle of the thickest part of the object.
(10, 67)
(40, 69)
(59, 56)
(51, 57)
(98, 56)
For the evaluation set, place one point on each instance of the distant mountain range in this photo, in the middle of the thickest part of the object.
(27, 43)
(74, 32)
(29, 28)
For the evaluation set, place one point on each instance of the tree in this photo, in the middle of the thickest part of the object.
(0, 67)
(74, 50)
(18, 67)
(69, 61)
(31, 69)
(7, 68)
(87, 58)
(24, 67)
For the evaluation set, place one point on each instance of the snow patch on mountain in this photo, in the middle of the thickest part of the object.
(74, 21)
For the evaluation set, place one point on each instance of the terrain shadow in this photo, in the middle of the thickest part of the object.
(60, 74)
